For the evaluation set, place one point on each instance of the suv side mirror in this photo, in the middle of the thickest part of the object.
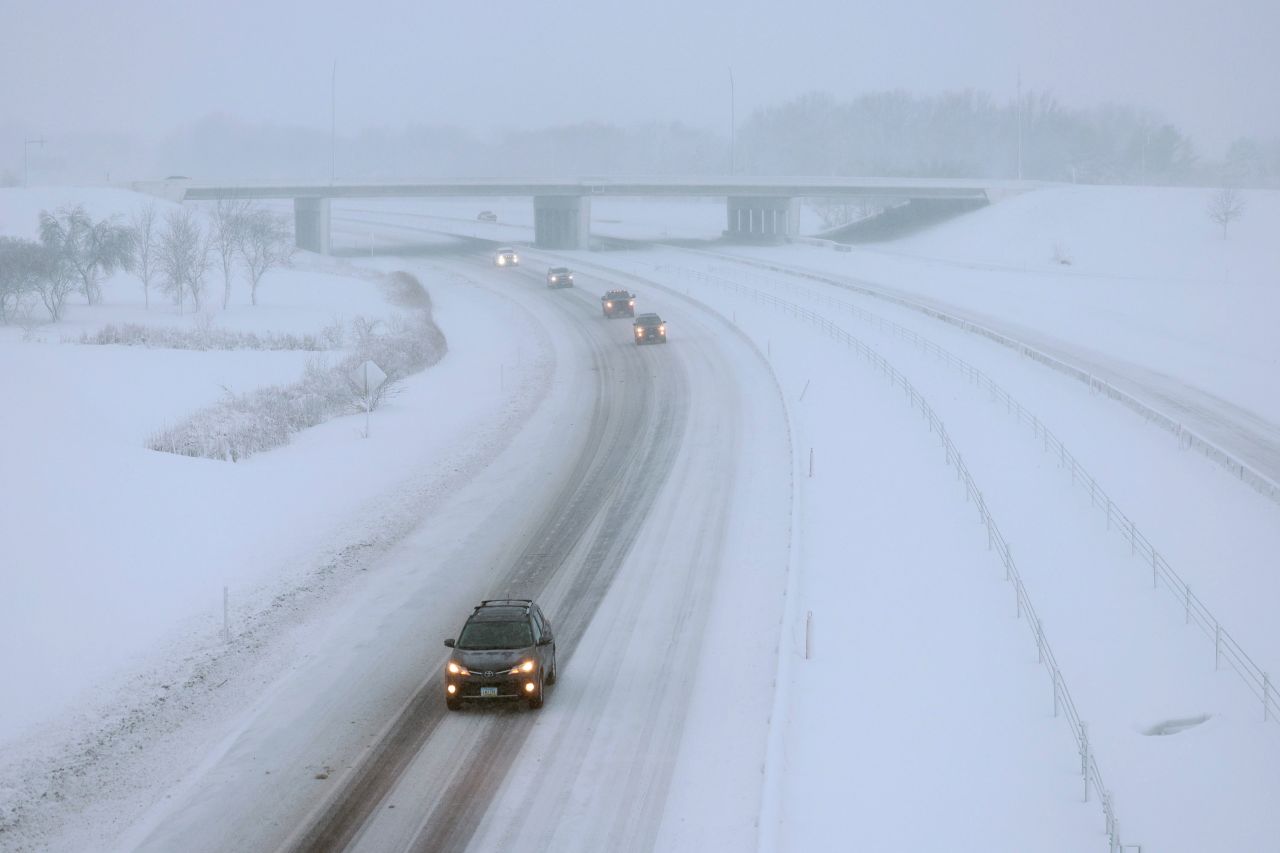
(544, 640)
(449, 643)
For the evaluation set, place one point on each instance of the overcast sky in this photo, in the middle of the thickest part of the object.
(149, 66)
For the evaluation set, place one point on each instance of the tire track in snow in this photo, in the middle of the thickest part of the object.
(616, 447)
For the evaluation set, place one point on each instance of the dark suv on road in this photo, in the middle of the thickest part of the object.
(618, 303)
(506, 651)
(559, 277)
(650, 329)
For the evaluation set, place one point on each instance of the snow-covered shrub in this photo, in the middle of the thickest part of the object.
(243, 424)
(205, 336)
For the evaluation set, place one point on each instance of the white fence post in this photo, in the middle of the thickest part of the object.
(1084, 757)
(808, 635)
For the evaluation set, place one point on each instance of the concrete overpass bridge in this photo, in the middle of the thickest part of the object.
(758, 209)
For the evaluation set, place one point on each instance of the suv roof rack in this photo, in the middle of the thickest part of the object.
(498, 601)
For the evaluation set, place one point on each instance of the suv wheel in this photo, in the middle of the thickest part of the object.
(535, 701)
(555, 672)
(453, 704)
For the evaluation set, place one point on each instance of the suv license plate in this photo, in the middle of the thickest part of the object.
(488, 691)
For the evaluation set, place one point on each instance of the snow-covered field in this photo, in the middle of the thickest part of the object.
(910, 709)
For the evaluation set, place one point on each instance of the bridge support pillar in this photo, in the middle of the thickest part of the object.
(561, 221)
(311, 224)
(763, 219)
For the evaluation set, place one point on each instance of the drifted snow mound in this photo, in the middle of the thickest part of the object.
(243, 424)
(1173, 727)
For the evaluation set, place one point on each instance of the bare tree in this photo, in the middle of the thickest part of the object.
(182, 257)
(228, 223)
(92, 249)
(21, 264)
(265, 242)
(55, 280)
(145, 237)
(1225, 206)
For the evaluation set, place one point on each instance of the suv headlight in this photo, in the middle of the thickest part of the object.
(457, 669)
(526, 666)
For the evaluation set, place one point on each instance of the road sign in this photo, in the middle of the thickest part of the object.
(367, 378)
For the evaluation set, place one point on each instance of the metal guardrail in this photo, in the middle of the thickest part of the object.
(1226, 648)
(1185, 435)
(1062, 700)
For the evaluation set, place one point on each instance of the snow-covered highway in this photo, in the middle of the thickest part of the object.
(622, 513)
(778, 617)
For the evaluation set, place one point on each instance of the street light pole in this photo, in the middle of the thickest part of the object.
(26, 147)
(333, 122)
(1019, 124)
(733, 123)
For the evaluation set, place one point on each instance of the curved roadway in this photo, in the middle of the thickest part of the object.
(643, 498)
(1242, 432)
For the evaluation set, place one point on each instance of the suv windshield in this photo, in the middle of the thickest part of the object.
(481, 636)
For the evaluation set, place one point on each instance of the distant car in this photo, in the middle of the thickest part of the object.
(650, 329)
(506, 650)
(559, 277)
(618, 303)
(487, 216)
(506, 257)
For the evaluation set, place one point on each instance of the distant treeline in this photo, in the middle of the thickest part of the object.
(895, 133)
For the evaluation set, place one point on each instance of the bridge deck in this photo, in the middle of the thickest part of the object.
(719, 187)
